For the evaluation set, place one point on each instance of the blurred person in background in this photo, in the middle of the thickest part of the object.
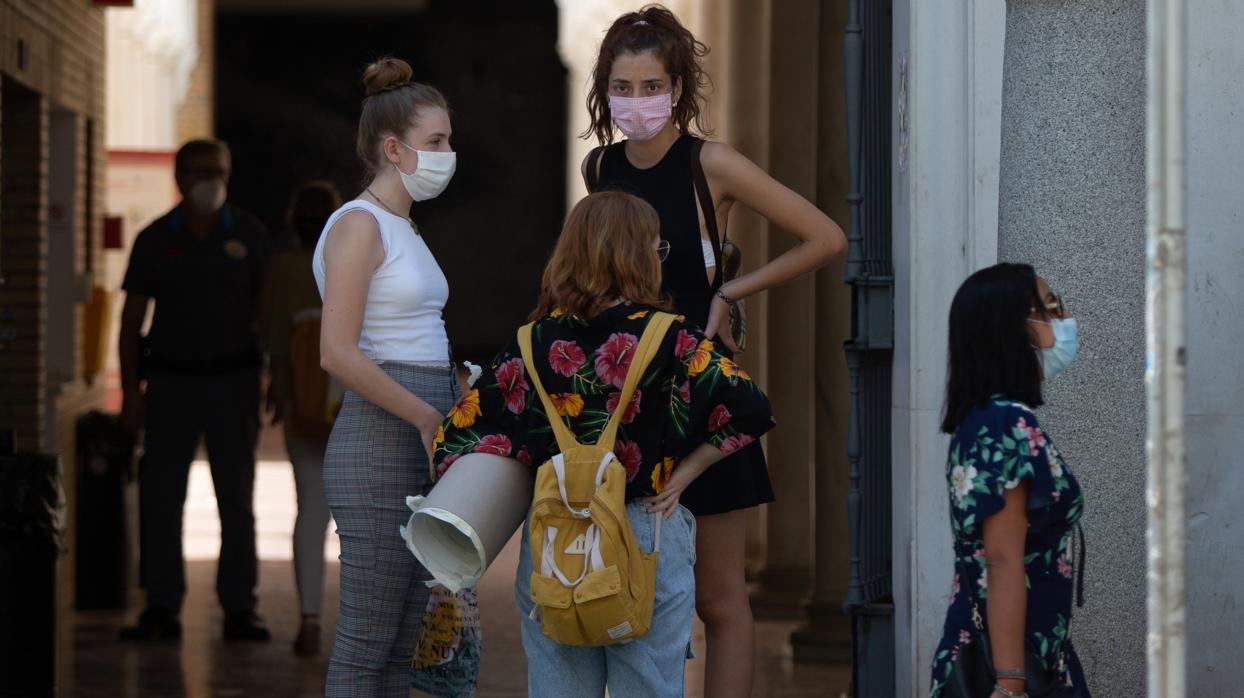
(202, 265)
(300, 393)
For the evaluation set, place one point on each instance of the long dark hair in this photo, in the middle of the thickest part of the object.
(990, 343)
(652, 28)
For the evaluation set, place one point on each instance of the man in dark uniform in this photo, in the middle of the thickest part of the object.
(202, 264)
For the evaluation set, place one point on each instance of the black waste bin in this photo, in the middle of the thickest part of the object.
(102, 546)
(30, 520)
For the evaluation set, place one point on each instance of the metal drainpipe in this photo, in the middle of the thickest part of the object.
(1164, 325)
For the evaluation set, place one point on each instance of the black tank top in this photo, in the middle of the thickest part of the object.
(667, 186)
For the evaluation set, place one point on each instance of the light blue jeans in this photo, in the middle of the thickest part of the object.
(646, 667)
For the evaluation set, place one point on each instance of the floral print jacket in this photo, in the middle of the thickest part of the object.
(690, 395)
(998, 446)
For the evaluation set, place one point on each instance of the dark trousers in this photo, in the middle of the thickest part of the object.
(223, 409)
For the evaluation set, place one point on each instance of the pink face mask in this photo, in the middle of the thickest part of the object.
(641, 118)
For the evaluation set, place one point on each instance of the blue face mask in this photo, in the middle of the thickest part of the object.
(1056, 359)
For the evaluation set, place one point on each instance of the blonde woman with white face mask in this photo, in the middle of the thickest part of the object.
(383, 338)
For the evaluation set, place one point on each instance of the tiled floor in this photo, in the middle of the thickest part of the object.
(202, 665)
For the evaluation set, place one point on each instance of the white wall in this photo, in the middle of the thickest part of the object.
(945, 226)
(1215, 330)
(152, 48)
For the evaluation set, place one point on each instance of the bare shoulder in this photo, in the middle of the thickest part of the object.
(355, 234)
(354, 223)
(721, 158)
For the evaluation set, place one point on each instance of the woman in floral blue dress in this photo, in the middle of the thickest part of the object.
(1014, 503)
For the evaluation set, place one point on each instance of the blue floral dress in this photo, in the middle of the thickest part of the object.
(998, 446)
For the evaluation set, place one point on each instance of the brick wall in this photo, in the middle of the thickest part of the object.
(51, 57)
(51, 60)
(23, 252)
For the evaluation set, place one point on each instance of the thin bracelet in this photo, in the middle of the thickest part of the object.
(1013, 674)
(999, 688)
(729, 301)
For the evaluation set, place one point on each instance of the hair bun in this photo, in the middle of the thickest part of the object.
(386, 74)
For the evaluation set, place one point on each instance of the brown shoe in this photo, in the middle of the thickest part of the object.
(308, 642)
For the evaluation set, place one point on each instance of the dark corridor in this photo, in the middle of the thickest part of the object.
(288, 89)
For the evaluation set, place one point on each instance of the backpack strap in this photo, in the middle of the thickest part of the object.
(702, 192)
(565, 438)
(591, 176)
(654, 334)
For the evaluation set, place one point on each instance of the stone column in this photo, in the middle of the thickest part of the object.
(742, 91)
(1214, 422)
(826, 636)
(792, 319)
(1072, 203)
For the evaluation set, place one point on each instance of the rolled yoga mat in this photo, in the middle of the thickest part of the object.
(468, 517)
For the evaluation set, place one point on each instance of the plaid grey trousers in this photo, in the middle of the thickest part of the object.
(374, 460)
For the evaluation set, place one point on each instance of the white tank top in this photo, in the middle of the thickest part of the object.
(402, 320)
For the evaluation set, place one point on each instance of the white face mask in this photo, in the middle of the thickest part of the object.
(207, 196)
(431, 175)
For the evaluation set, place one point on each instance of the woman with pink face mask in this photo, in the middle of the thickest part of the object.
(648, 82)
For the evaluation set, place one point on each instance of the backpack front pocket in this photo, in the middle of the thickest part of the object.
(606, 613)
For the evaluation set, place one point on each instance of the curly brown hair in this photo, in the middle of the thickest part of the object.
(653, 28)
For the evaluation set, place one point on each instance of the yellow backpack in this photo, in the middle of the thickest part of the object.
(591, 583)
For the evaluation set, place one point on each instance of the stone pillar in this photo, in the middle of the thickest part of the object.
(792, 318)
(1214, 422)
(746, 127)
(1072, 203)
(826, 636)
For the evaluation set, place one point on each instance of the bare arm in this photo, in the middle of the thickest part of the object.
(132, 315)
(733, 177)
(352, 253)
(1005, 533)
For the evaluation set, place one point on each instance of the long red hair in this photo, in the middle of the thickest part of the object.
(606, 252)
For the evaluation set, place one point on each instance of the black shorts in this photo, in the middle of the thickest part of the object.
(738, 481)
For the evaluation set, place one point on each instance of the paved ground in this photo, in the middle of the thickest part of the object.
(202, 665)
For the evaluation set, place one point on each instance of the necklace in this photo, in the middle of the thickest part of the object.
(386, 207)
